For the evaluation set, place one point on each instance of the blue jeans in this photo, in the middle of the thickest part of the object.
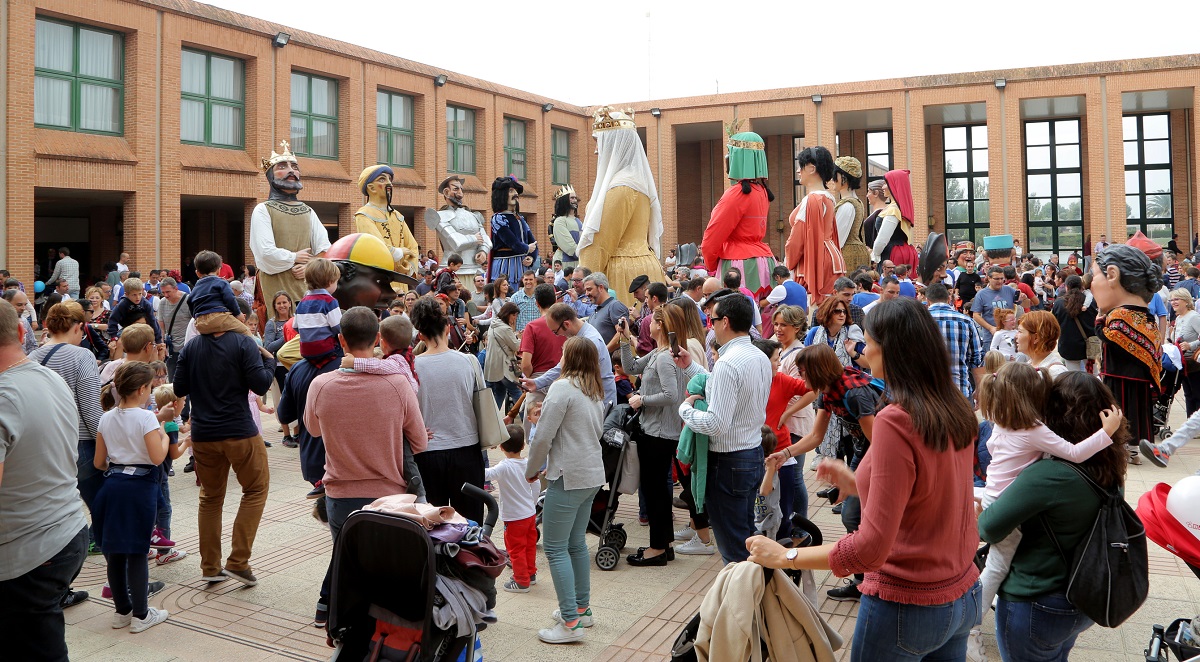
(733, 482)
(31, 617)
(338, 510)
(890, 631)
(800, 493)
(1042, 630)
(502, 388)
(163, 519)
(564, 539)
(88, 477)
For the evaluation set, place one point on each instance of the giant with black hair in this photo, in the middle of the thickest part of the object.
(820, 158)
(1139, 276)
(500, 189)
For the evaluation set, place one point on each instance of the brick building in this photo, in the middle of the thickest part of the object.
(139, 125)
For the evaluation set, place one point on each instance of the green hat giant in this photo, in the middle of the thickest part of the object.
(747, 156)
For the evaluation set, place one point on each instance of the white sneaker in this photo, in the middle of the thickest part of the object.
(696, 546)
(686, 533)
(585, 619)
(166, 557)
(975, 647)
(561, 634)
(153, 617)
(121, 621)
(815, 461)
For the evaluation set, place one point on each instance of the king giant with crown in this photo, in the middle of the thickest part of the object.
(285, 234)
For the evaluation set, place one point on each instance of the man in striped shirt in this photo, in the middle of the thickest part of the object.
(736, 394)
(66, 269)
(962, 338)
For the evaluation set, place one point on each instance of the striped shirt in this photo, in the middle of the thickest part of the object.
(318, 321)
(77, 367)
(528, 310)
(963, 341)
(736, 394)
(65, 269)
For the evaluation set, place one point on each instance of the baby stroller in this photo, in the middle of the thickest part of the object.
(614, 444)
(1161, 510)
(1172, 381)
(385, 587)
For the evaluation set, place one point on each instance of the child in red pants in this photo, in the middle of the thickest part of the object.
(517, 499)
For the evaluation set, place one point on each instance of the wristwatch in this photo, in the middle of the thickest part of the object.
(791, 556)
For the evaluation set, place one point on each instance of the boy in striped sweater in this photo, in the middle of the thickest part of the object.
(318, 317)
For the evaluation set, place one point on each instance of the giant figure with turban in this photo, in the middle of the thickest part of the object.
(738, 224)
(378, 218)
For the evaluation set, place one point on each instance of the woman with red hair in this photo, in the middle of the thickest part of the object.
(1037, 338)
(893, 237)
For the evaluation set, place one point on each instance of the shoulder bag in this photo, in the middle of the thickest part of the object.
(1093, 341)
(489, 423)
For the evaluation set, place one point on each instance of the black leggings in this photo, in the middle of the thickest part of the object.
(655, 455)
(444, 473)
(699, 520)
(128, 577)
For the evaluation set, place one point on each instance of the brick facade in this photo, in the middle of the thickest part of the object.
(147, 193)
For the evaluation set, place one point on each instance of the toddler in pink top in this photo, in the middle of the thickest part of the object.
(1014, 398)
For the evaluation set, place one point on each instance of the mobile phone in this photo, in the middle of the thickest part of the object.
(674, 343)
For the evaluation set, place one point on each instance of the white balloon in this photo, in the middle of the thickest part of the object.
(1183, 502)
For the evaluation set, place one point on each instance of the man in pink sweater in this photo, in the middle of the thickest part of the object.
(364, 454)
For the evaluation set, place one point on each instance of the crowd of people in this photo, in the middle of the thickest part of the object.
(925, 389)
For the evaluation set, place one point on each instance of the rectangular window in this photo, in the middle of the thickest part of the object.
(879, 154)
(1148, 200)
(560, 156)
(394, 129)
(79, 78)
(460, 140)
(966, 183)
(514, 148)
(212, 107)
(314, 116)
(1053, 186)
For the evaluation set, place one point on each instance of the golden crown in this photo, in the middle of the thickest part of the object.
(285, 155)
(566, 190)
(607, 118)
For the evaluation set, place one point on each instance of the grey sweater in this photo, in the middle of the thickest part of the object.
(567, 439)
(447, 382)
(662, 390)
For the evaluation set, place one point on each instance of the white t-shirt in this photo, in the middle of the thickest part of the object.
(517, 495)
(124, 432)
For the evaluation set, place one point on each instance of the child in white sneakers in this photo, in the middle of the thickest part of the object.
(164, 397)
(517, 499)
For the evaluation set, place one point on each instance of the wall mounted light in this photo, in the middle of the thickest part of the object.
(547, 107)
(1000, 83)
(440, 80)
(656, 112)
(816, 98)
(281, 39)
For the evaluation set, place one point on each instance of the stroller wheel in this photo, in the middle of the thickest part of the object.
(607, 558)
(616, 538)
(1163, 433)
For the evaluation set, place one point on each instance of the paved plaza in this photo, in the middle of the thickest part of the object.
(639, 611)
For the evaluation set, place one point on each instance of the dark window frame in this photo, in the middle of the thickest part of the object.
(1055, 223)
(1142, 221)
(973, 226)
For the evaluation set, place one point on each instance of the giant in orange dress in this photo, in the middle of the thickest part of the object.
(734, 236)
(812, 252)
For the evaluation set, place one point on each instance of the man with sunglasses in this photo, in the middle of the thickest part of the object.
(736, 393)
(564, 322)
(577, 296)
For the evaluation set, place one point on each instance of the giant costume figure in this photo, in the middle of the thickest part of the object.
(850, 212)
(284, 232)
(893, 237)
(738, 224)
(812, 251)
(514, 249)
(567, 227)
(379, 219)
(460, 230)
(622, 229)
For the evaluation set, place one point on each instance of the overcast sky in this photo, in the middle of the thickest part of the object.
(591, 53)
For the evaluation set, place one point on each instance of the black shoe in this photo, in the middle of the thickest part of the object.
(290, 442)
(170, 472)
(845, 593)
(266, 443)
(679, 503)
(837, 509)
(639, 560)
(154, 588)
(670, 552)
(72, 598)
(190, 466)
(833, 494)
(316, 492)
(824, 494)
(320, 512)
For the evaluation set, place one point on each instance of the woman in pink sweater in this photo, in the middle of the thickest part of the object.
(917, 540)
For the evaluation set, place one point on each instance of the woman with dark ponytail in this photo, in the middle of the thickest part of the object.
(734, 236)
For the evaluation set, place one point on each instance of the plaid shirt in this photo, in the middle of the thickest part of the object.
(528, 309)
(962, 339)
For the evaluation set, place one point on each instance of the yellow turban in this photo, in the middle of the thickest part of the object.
(370, 173)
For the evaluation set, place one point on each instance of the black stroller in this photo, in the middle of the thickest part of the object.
(1163, 639)
(614, 443)
(1172, 381)
(384, 577)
